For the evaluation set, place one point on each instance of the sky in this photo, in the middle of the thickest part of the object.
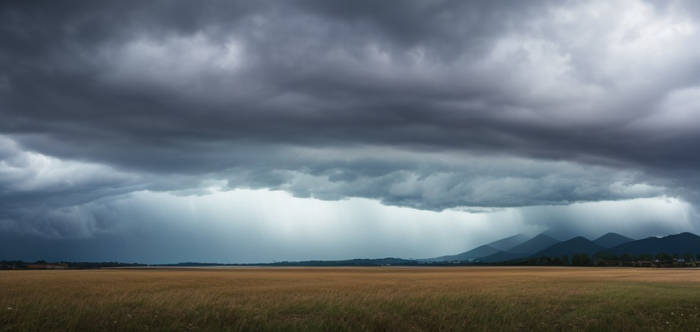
(261, 131)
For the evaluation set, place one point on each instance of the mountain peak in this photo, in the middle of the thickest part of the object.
(506, 244)
(575, 245)
(537, 243)
(484, 250)
(609, 234)
(672, 244)
(543, 236)
(684, 234)
(609, 240)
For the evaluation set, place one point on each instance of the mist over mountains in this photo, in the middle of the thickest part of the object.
(543, 245)
(610, 249)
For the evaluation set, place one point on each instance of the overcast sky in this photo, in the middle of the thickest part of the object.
(255, 131)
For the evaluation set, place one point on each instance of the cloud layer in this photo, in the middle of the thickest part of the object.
(429, 105)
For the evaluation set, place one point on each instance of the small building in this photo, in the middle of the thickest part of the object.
(645, 264)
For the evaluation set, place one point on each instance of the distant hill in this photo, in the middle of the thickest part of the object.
(577, 245)
(534, 251)
(349, 262)
(509, 242)
(483, 250)
(611, 240)
(536, 244)
(673, 244)
(470, 255)
(540, 246)
(525, 249)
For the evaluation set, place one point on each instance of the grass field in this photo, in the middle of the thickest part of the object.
(332, 299)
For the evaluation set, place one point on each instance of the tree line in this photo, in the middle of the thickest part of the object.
(609, 259)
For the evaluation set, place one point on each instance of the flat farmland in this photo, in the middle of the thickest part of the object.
(337, 299)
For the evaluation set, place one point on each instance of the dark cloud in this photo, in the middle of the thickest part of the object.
(427, 104)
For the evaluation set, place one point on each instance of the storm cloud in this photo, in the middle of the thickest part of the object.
(427, 105)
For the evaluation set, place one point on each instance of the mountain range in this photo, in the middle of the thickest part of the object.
(520, 247)
(683, 243)
(611, 240)
(493, 248)
(522, 250)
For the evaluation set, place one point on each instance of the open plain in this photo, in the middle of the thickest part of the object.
(332, 299)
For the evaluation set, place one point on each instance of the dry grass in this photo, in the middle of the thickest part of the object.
(402, 299)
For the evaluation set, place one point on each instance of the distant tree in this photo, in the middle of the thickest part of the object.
(581, 260)
(565, 260)
(664, 257)
(557, 261)
(606, 259)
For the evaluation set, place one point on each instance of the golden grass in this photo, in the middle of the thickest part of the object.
(332, 299)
